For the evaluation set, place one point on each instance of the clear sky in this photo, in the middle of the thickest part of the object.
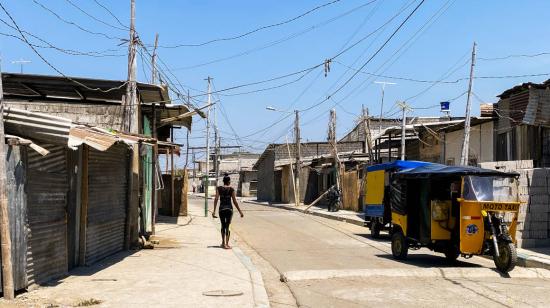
(434, 44)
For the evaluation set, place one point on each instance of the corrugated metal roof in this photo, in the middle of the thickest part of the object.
(57, 130)
(32, 86)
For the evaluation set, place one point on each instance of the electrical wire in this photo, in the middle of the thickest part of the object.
(371, 58)
(72, 23)
(48, 45)
(278, 41)
(514, 56)
(51, 65)
(235, 37)
(95, 18)
(112, 14)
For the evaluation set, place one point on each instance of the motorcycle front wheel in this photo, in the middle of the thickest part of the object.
(508, 257)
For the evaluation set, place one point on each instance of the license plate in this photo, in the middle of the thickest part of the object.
(499, 207)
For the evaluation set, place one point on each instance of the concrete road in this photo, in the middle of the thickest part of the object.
(334, 264)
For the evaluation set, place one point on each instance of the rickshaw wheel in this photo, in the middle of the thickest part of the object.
(452, 253)
(508, 257)
(375, 227)
(399, 246)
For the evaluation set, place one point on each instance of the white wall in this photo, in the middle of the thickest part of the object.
(481, 144)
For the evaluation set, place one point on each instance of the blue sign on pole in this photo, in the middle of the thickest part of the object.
(445, 106)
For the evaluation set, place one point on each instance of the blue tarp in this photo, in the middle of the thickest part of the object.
(434, 170)
(398, 164)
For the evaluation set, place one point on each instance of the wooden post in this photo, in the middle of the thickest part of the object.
(5, 236)
(154, 199)
(184, 190)
(172, 175)
(83, 206)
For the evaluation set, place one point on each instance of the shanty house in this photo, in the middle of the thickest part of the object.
(276, 163)
(69, 169)
(522, 129)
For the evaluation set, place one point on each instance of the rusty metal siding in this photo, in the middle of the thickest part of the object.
(17, 201)
(518, 106)
(106, 202)
(47, 222)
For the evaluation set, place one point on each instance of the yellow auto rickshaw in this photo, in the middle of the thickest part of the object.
(458, 211)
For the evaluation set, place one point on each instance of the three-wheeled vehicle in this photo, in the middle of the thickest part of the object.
(376, 199)
(457, 211)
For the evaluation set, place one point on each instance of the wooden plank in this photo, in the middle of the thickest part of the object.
(83, 206)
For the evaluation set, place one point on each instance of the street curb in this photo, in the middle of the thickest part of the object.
(324, 215)
(458, 273)
(532, 261)
(524, 260)
(259, 293)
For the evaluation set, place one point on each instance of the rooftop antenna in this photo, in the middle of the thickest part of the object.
(21, 62)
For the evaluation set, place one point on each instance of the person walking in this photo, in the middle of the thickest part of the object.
(225, 194)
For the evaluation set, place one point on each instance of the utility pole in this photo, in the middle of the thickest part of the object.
(332, 142)
(154, 61)
(131, 125)
(206, 176)
(5, 236)
(298, 156)
(404, 108)
(466, 142)
(383, 83)
(366, 127)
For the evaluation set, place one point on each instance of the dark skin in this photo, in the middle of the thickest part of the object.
(225, 239)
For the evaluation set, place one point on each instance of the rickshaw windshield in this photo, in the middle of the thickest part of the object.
(490, 188)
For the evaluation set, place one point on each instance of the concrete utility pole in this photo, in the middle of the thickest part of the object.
(466, 142)
(298, 155)
(131, 125)
(404, 108)
(206, 176)
(154, 61)
(383, 83)
(5, 236)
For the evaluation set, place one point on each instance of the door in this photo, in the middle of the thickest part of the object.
(107, 200)
(47, 217)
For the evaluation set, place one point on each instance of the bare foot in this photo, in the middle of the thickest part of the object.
(227, 246)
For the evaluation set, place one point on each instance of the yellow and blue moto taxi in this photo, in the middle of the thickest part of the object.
(376, 193)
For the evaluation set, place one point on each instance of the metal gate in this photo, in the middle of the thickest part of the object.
(107, 182)
(47, 184)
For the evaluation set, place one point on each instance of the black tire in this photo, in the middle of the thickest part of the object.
(508, 257)
(452, 253)
(399, 245)
(375, 228)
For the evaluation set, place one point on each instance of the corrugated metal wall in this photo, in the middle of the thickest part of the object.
(47, 222)
(108, 180)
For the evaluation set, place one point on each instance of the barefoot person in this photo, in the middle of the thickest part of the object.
(225, 194)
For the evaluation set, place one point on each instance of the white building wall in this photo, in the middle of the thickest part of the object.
(481, 144)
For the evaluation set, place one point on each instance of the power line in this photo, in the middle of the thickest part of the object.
(235, 37)
(323, 63)
(516, 56)
(51, 65)
(372, 57)
(278, 41)
(72, 23)
(48, 45)
(112, 14)
(95, 18)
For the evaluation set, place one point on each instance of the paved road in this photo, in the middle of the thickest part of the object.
(334, 264)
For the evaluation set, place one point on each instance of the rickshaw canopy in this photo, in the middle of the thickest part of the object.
(397, 165)
(432, 170)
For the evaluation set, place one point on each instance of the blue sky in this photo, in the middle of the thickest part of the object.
(500, 28)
